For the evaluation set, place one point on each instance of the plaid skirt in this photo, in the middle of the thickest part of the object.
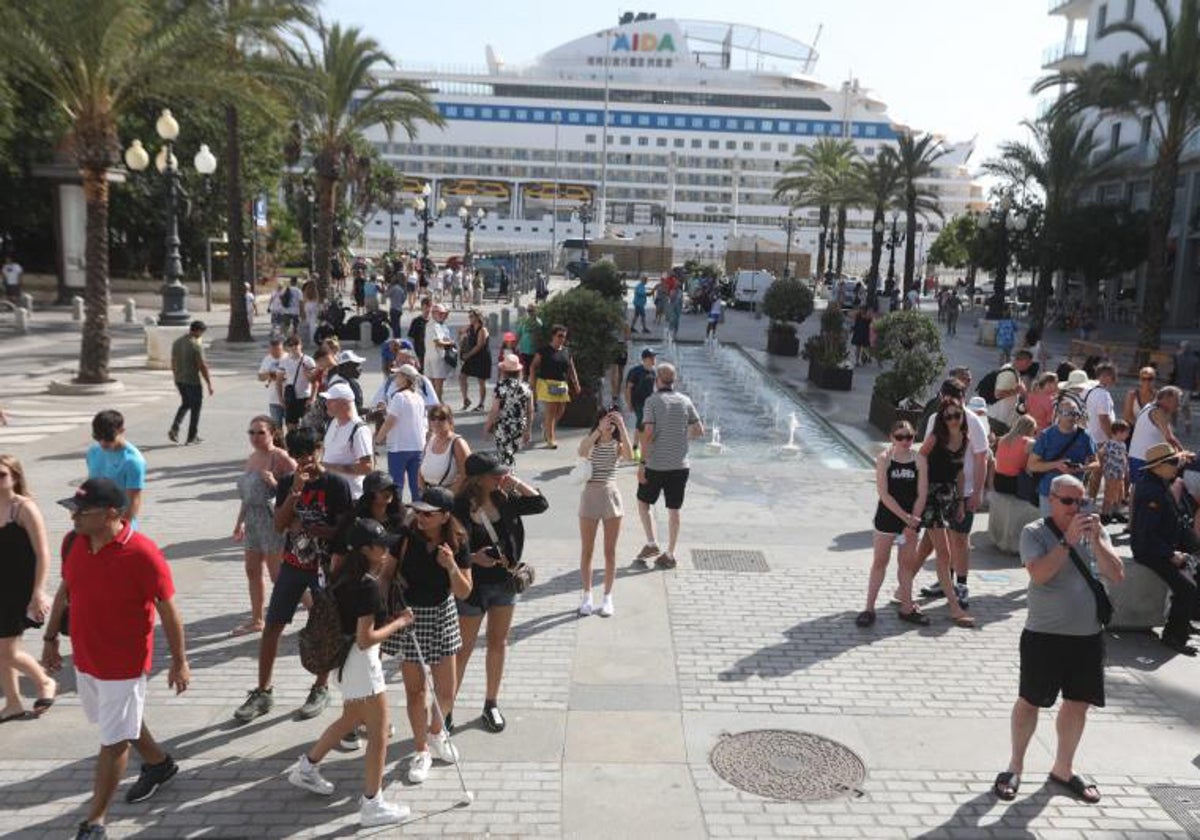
(437, 632)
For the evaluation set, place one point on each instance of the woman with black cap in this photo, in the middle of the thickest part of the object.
(490, 506)
(362, 614)
(434, 569)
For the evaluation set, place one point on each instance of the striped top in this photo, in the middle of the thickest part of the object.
(603, 459)
(672, 415)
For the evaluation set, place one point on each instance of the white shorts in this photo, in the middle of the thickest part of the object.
(362, 675)
(115, 705)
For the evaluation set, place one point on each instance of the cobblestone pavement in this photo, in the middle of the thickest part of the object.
(610, 721)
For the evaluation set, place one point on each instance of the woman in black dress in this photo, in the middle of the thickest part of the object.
(25, 555)
(860, 335)
(940, 466)
(475, 359)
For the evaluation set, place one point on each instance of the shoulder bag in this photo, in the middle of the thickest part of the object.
(1104, 607)
(520, 575)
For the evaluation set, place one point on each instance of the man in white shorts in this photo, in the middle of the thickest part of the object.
(112, 577)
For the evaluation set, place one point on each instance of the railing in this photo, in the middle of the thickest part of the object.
(1075, 47)
(1054, 6)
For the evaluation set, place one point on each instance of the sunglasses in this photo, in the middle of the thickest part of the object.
(953, 415)
(1146, 378)
(1070, 501)
(429, 512)
(903, 438)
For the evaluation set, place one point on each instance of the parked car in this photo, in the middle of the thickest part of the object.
(750, 286)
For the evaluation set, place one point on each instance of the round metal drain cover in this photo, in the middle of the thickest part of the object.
(783, 764)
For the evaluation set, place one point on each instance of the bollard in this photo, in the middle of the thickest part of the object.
(21, 320)
(130, 311)
(77, 308)
(27, 302)
(493, 323)
(364, 333)
(505, 320)
(477, 298)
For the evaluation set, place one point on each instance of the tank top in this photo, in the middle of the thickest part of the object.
(902, 482)
(439, 470)
(1145, 433)
(1011, 456)
(945, 464)
(603, 459)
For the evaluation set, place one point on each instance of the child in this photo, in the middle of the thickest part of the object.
(1114, 461)
(508, 345)
(1006, 336)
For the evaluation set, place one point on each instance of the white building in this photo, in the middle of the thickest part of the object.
(701, 118)
(1127, 181)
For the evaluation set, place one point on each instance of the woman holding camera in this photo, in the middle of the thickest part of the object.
(490, 506)
(600, 501)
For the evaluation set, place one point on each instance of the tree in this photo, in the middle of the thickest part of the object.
(1059, 161)
(96, 60)
(878, 182)
(915, 156)
(952, 246)
(347, 98)
(820, 177)
(1161, 81)
(1100, 241)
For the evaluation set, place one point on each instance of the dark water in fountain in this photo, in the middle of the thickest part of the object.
(752, 411)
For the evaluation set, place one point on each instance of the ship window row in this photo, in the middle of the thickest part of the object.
(686, 122)
(630, 61)
(658, 97)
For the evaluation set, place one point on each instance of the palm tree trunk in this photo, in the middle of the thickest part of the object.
(239, 320)
(841, 238)
(910, 244)
(1158, 270)
(877, 225)
(823, 223)
(325, 168)
(1042, 291)
(96, 343)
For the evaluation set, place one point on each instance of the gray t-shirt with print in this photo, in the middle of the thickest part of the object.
(1064, 604)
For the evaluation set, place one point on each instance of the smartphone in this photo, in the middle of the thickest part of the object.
(493, 552)
(1087, 507)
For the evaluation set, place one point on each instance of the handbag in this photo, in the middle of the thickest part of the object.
(520, 575)
(289, 390)
(1104, 607)
(450, 355)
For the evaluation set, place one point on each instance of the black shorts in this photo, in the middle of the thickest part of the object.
(671, 483)
(1051, 662)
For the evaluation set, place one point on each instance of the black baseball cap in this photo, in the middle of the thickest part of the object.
(649, 353)
(480, 463)
(198, 326)
(366, 532)
(96, 493)
(376, 481)
(436, 498)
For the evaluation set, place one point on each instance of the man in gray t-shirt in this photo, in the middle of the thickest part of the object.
(669, 421)
(1062, 646)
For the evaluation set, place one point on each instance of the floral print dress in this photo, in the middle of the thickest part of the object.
(514, 396)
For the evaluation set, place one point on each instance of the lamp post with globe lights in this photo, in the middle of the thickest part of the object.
(174, 293)
(789, 226)
(1005, 224)
(470, 216)
(586, 213)
(894, 240)
(427, 213)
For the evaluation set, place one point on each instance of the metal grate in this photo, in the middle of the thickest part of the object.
(1182, 803)
(722, 560)
(786, 765)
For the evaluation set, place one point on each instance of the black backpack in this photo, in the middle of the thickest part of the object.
(286, 297)
(323, 645)
(987, 386)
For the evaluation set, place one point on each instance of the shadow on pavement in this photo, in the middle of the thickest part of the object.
(189, 549)
(854, 541)
(1013, 822)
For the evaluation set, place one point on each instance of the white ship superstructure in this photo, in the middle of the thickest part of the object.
(701, 118)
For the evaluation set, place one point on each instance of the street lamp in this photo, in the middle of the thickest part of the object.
(427, 213)
(893, 242)
(586, 213)
(788, 224)
(174, 293)
(1008, 224)
(470, 220)
(311, 197)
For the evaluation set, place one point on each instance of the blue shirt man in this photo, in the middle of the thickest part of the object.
(1064, 448)
(111, 456)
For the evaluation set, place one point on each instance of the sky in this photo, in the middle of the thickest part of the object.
(961, 68)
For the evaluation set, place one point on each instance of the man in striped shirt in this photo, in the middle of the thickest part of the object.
(669, 421)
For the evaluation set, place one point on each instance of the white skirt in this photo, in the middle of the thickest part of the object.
(362, 675)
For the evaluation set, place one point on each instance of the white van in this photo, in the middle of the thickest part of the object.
(750, 286)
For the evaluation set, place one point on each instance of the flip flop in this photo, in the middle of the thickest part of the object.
(963, 621)
(245, 629)
(915, 617)
(1078, 786)
(865, 618)
(1006, 785)
(42, 705)
(21, 715)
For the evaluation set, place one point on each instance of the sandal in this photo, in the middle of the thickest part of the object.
(865, 618)
(42, 705)
(246, 629)
(1006, 785)
(915, 617)
(1079, 786)
(963, 620)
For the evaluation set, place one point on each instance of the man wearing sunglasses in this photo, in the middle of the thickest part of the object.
(1062, 645)
(1065, 448)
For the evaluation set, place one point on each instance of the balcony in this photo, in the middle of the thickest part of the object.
(1071, 54)
(1077, 9)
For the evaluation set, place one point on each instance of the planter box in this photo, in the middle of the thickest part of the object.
(883, 414)
(783, 343)
(987, 334)
(831, 378)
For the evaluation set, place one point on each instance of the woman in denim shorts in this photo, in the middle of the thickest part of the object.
(490, 506)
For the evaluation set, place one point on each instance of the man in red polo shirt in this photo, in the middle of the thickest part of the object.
(113, 580)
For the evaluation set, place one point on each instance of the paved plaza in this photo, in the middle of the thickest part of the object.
(611, 721)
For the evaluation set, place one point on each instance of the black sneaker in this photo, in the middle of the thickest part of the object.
(152, 777)
(1180, 646)
(934, 591)
(493, 721)
(173, 435)
(195, 440)
(963, 594)
(448, 722)
(90, 831)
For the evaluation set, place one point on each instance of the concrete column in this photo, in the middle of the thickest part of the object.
(130, 311)
(21, 320)
(493, 323)
(505, 320)
(77, 308)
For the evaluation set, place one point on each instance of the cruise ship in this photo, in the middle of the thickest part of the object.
(701, 118)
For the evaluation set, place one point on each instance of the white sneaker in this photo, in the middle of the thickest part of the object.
(585, 606)
(378, 811)
(351, 740)
(606, 608)
(308, 776)
(441, 748)
(418, 767)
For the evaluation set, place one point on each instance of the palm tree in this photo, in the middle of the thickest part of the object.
(347, 99)
(915, 156)
(818, 177)
(97, 60)
(254, 33)
(879, 185)
(1059, 160)
(1161, 81)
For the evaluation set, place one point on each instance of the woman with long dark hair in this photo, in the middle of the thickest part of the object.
(600, 501)
(940, 471)
(475, 359)
(553, 380)
(362, 613)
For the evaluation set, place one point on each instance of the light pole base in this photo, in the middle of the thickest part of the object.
(174, 305)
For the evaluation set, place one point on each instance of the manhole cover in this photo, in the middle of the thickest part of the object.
(1182, 803)
(721, 560)
(782, 764)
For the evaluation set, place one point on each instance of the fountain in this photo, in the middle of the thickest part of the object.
(790, 448)
(714, 446)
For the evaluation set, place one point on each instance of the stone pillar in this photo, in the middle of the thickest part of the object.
(505, 320)
(77, 308)
(21, 320)
(130, 311)
(493, 323)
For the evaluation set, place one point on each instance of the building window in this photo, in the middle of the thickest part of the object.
(624, 139)
(1115, 136)
(730, 145)
(1147, 127)
(661, 141)
(781, 147)
(714, 144)
(679, 143)
(696, 144)
(1101, 20)
(643, 141)
(1130, 7)
(589, 138)
(747, 146)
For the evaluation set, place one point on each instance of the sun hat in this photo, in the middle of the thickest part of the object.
(435, 498)
(1161, 453)
(339, 391)
(511, 363)
(480, 463)
(96, 493)
(1077, 380)
(977, 404)
(409, 371)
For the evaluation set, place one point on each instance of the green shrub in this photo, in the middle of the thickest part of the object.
(787, 303)
(595, 328)
(604, 278)
(829, 347)
(909, 342)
